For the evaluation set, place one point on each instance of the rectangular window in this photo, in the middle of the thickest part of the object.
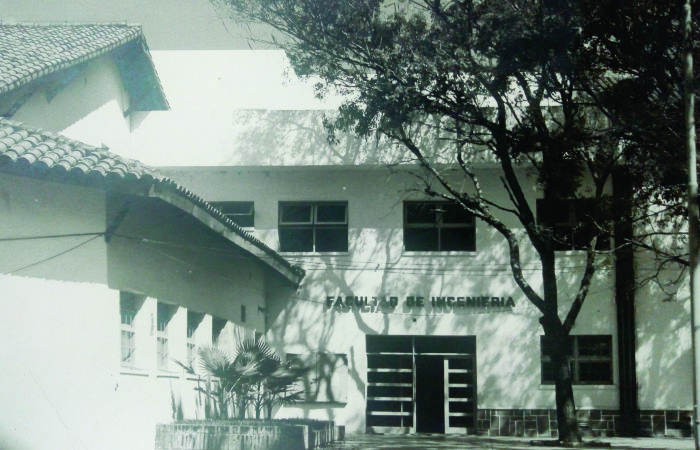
(241, 213)
(193, 321)
(129, 304)
(590, 359)
(313, 227)
(164, 313)
(326, 379)
(217, 326)
(574, 223)
(438, 226)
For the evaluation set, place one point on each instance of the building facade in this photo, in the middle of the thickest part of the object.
(407, 313)
(110, 273)
(411, 318)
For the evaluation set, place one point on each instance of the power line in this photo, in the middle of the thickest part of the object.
(41, 261)
(51, 236)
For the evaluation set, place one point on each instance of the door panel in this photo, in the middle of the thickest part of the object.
(430, 398)
(424, 384)
(459, 394)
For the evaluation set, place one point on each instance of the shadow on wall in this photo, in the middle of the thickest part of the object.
(508, 354)
(664, 343)
(298, 137)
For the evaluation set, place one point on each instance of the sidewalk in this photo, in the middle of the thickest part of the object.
(452, 442)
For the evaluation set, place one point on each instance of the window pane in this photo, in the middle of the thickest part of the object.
(296, 239)
(295, 213)
(423, 213)
(453, 239)
(217, 326)
(234, 207)
(239, 212)
(549, 372)
(595, 372)
(547, 345)
(331, 213)
(388, 344)
(332, 239)
(242, 220)
(193, 321)
(128, 346)
(421, 239)
(454, 213)
(560, 213)
(595, 346)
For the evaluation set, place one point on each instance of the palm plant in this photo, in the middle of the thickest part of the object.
(253, 376)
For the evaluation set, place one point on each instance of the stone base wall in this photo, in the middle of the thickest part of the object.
(673, 422)
(245, 434)
(592, 422)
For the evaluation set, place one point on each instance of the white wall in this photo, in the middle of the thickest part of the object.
(62, 385)
(59, 354)
(664, 342)
(52, 230)
(508, 353)
(89, 109)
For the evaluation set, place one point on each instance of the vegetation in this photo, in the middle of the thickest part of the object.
(558, 88)
(254, 377)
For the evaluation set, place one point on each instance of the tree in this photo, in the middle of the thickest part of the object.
(642, 42)
(523, 83)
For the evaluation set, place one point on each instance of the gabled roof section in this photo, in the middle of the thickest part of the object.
(32, 54)
(30, 152)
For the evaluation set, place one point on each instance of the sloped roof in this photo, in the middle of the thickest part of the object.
(35, 153)
(29, 53)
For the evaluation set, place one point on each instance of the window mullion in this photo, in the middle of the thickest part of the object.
(314, 220)
(575, 376)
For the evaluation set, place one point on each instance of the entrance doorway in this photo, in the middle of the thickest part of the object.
(424, 384)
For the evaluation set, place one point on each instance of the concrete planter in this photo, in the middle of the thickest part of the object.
(294, 434)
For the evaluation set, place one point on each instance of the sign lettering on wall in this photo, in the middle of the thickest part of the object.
(388, 304)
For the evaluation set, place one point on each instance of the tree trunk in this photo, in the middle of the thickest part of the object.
(558, 339)
(567, 422)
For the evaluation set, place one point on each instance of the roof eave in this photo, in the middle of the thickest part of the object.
(206, 214)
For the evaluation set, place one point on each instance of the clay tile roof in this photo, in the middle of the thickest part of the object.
(43, 151)
(30, 52)
(31, 152)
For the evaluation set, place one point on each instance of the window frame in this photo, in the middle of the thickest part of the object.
(576, 226)
(575, 360)
(164, 315)
(438, 226)
(314, 225)
(243, 220)
(217, 327)
(194, 320)
(129, 305)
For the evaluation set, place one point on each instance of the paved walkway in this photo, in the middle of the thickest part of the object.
(452, 442)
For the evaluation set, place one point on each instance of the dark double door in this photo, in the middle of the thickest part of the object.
(424, 384)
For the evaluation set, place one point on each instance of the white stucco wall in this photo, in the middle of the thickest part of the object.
(664, 342)
(89, 109)
(508, 353)
(52, 230)
(59, 377)
(62, 385)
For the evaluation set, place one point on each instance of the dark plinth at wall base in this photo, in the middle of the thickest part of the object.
(247, 435)
(559, 444)
(542, 423)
